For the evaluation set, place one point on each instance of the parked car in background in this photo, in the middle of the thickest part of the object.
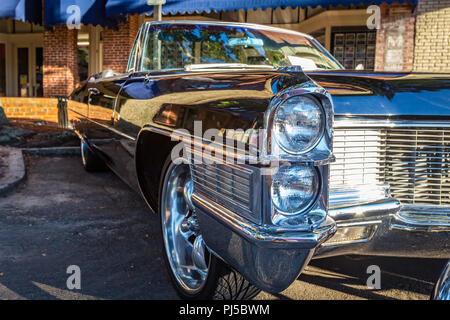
(254, 221)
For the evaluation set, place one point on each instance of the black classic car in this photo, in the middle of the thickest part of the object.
(260, 152)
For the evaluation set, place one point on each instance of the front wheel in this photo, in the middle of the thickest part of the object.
(195, 272)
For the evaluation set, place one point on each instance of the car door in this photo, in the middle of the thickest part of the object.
(100, 131)
(129, 115)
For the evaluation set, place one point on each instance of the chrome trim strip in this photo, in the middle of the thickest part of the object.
(199, 143)
(364, 122)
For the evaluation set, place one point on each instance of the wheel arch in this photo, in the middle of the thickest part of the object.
(152, 150)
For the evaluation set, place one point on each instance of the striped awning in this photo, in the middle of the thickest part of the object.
(107, 12)
(117, 7)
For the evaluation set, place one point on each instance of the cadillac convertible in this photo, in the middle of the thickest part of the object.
(259, 152)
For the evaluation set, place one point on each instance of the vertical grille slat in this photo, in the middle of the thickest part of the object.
(415, 162)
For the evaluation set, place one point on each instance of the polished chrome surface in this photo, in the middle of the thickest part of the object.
(264, 231)
(320, 153)
(383, 207)
(438, 216)
(344, 196)
(368, 122)
(414, 161)
(442, 289)
(184, 245)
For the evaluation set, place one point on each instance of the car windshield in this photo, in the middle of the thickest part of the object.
(190, 47)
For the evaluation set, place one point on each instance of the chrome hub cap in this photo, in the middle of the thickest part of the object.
(184, 244)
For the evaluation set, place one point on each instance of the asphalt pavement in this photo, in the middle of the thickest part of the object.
(62, 216)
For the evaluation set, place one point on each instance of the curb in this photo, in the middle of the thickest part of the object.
(56, 151)
(15, 172)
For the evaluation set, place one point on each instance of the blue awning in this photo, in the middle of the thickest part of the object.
(26, 10)
(57, 12)
(117, 7)
(106, 12)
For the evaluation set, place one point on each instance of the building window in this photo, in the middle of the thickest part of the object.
(354, 49)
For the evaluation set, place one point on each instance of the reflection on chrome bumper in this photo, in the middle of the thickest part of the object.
(423, 218)
(385, 228)
(270, 258)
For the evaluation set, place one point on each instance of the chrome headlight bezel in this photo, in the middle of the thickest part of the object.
(315, 140)
(320, 152)
(311, 214)
(282, 175)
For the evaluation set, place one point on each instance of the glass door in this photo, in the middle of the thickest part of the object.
(30, 71)
(23, 76)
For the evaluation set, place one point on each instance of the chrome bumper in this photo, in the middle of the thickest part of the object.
(269, 258)
(385, 228)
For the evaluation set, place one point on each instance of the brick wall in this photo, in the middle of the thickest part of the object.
(395, 38)
(432, 43)
(117, 44)
(30, 108)
(60, 61)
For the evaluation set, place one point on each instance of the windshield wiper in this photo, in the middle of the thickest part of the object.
(207, 66)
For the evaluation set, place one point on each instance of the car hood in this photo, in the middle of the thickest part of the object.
(390, 94)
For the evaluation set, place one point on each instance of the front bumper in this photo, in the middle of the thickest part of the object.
(385, 228)
(270, 259)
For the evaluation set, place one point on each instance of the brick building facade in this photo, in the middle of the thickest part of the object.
(60, 61)
(117, 44)
(432, 37)
(395, 38)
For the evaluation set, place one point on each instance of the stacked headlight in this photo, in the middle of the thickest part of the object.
(298, 124)
(294, 188)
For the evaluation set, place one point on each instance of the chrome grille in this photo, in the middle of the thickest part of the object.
(415, 162)
(228, 184)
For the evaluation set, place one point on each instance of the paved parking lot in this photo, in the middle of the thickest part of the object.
(62, 216)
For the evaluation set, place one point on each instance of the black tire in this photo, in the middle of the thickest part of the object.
(222, 282)
(91, 162)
